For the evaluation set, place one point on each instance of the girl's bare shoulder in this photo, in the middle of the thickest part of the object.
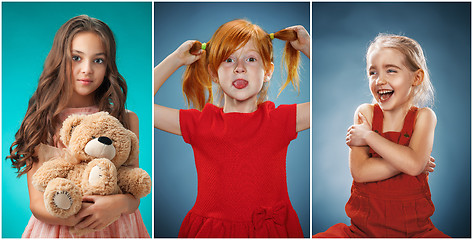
(426, 115)
(367, 110)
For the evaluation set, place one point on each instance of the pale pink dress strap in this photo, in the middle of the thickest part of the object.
(127, 226)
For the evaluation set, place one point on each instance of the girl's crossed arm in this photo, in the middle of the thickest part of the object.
(167, 119)
(413, 159)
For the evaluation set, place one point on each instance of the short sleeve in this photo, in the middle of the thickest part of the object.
(285, 117)
(188, 123)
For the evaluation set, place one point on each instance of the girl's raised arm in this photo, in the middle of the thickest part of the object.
(302, 43)
(167, 119)
(303, 116)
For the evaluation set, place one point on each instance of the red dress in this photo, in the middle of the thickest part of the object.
(399, 206)
(241, 170)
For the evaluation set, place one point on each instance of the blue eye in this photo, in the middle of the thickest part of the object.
(370, 73)
(99, 61)
(76, 58)
(229, 60)
(251, 59)
(391, 71)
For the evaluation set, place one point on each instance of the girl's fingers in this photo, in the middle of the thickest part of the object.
(363, 118)
(196, 48)
(85, 223)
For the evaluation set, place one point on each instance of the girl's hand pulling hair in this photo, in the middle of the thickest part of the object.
(183, 56)
(303, 40)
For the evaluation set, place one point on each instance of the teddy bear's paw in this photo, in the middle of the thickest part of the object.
(134, 181)
(100, 177)
(62, 198)
(96, 176)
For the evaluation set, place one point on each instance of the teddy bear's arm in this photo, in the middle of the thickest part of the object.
(134, 181)
(54, 168)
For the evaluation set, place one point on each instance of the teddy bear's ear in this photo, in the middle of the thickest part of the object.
(134, 151)
(68, 127)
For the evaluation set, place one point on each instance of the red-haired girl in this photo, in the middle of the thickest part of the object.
(390, 145)
(80, 76)
(240, 148)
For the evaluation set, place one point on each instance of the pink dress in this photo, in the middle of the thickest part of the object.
(127, 226)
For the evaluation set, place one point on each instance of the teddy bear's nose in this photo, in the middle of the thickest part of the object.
(105, 140)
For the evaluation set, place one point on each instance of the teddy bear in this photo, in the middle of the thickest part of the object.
(94, 162)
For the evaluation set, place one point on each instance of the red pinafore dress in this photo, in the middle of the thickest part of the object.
(399, 206)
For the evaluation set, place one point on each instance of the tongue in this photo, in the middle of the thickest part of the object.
(240, 84)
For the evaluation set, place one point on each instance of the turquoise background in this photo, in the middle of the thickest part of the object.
(28, 30)
(176, 177)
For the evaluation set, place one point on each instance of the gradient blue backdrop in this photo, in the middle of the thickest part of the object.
(176, 178)
(28, 30)
(341, 35)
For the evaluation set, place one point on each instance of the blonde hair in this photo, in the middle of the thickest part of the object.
(197, 81)
(423, 94)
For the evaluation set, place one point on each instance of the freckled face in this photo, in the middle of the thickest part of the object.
(88, 64)
(242, 74)
(390, 81)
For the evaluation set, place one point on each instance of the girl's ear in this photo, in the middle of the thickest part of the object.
(269, 73)
(418, 77)
(212, 74)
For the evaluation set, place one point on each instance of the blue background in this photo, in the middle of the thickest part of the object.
(341, 33)
(176, 178)
(28, 30)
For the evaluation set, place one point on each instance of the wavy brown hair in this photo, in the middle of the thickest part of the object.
(55, 89)
(197, 81)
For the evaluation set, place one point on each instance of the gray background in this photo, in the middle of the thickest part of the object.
(175, 175)
(341, 33)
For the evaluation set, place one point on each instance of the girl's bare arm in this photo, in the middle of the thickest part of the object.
(167, 119)
(302, 44)
(362, 167)
(413, 159)
(410, 159)
(37, 203)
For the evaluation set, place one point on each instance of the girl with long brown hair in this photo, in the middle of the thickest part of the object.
(80, 76)
(240, 148)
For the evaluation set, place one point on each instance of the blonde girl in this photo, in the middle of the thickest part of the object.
(390, 146)
(240, 147)
(80, 76)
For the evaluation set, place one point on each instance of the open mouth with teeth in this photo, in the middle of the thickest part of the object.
(384, 95)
